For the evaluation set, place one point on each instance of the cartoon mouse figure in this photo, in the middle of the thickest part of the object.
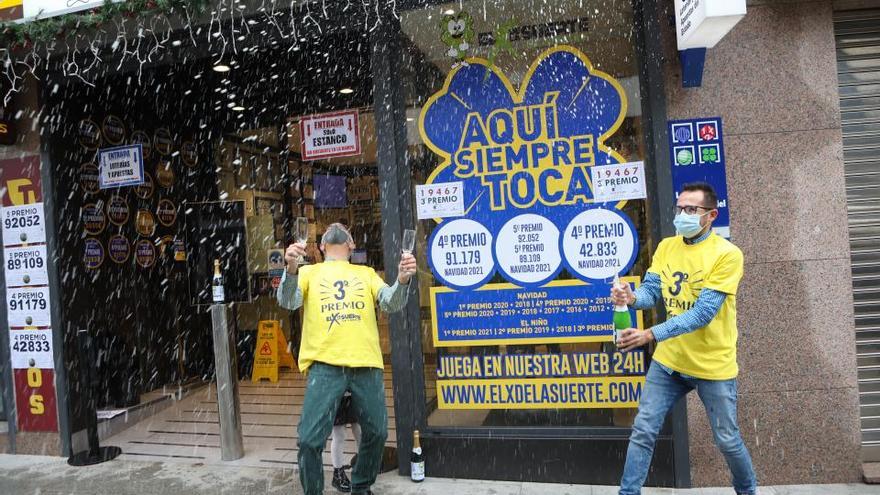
(458, 34)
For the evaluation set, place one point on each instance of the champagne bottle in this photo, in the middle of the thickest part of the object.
(417, 460)
(622, 319)
(217, 284)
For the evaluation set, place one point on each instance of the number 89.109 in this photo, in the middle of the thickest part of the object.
(27, 263)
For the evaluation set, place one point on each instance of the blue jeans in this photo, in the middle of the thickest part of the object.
(663, 388)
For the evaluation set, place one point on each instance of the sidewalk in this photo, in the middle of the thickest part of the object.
(31, 475)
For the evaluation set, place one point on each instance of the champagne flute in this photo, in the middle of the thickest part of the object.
(301, 234)
(409, 241)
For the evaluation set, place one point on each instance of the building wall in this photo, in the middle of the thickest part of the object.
(773, 81)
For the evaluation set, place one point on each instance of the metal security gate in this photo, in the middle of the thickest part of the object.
(857, 36)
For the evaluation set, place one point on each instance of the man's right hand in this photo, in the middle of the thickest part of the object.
(622, 295)
(292, 256)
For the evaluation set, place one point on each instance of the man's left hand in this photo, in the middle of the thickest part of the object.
(633, 338)
(407, 268)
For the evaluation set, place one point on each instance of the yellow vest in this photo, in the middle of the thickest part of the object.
(339, 315)
(685, 270)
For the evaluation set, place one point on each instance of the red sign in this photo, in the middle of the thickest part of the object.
(329, 135)
(708, 132)
(20, 184)
(35, 399)
(20, 177)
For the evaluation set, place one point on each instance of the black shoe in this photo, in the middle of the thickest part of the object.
(341, 481)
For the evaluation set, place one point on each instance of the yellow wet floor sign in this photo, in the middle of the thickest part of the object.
(266, 352)
(285, 357)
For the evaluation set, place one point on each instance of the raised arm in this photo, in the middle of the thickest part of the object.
(393, 299)
(289, 294)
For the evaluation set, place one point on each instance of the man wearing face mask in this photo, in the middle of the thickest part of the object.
(696, 275)
(340, 351)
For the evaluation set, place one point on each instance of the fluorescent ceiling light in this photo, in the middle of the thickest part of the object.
(449, 12)
(346, 91)
(238, 108)
(221, 68)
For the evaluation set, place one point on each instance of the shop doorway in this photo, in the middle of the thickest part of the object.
(188, 430)
(218, 126)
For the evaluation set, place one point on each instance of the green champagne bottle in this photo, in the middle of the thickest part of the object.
(622, 319)
(417, 460)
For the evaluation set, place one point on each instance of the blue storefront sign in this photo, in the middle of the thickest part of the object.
(523, 159)
(696, 148)
(520, 161)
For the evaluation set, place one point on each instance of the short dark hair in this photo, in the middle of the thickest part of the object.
(710, 198)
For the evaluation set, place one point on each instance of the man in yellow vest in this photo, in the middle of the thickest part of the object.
(340, 351)
(696, 275)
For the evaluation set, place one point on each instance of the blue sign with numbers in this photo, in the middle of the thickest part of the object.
(696, 148)
(561, 311)
(524, 157)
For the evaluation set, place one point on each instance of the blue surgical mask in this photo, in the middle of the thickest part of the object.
(688, 225)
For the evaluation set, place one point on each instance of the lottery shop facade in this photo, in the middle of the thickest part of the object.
(431, 76)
